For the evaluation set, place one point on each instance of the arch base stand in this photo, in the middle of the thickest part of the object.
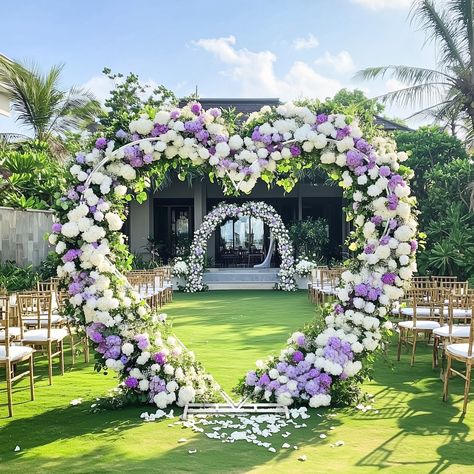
(229, 407)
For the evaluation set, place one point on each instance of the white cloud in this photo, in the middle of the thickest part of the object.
(256, 76)
(308, 42)
(341, 62)
(394, 85)
(100, 86)
(384, 4)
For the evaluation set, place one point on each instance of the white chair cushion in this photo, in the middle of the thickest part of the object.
(461, 313)
(12, 332)
(457, 331)
(16, 352)
(55, 319)
(420, 311)
(42, 335)
(459, 350)
(419, 325)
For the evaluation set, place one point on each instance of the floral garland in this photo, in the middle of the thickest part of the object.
(277, 141)
(259, 210)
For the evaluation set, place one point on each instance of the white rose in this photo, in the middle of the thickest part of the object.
(114, 221)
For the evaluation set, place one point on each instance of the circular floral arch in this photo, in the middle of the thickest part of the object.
(219, 214)
(272, 145)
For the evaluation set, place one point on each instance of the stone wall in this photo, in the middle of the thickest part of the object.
(21, 235)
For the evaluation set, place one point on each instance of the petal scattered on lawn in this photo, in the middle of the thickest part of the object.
(303, 458)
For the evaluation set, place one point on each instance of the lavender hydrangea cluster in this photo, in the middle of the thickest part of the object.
(259, 210)
(88, 241)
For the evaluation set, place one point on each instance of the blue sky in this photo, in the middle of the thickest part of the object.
(243, 48)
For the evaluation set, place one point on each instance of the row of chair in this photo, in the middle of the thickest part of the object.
(324, 282)
(35, 321)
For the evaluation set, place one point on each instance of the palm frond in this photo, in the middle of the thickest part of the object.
(440, 28)
(410, 75)
(462, 12)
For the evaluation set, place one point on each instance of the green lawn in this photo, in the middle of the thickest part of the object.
(413, 430)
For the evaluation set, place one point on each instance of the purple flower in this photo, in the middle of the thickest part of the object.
(175, 114)
(56, 227)
(295, 150)
(121, 134)
(71, 255)
(124, 359)
(385, 240)
(298, 356)
(101, 143)
(300, 340)
(74, 288)
(385, 171)
(131, 382)
(389, 278)
(392, 202)
(394, 181)
(321, 118)
(81, 159)
(377, 220)
(263, 380)
(142, 341)
(196, 108)
(354, 159)
(215, 112)
(160, 358)
(413, 245)
(361, 289)
(251, 379)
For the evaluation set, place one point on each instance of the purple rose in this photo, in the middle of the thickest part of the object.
(56, 227)
(196, 108)
(131, 382)
(389, 278)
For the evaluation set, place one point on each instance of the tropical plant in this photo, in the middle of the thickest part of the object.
(31, 178)
(41, 104)
(449, 88)
(128, 98)
(14, 278)
(310, 238)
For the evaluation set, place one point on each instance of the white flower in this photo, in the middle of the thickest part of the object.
(222, 149)
(172, 386)
(143, 125)
(93, 234)
(144, 385)
(235, 142)
(185, 395)
(285, 399)
(328, 157)
(120, 190)
(273, 373)
(127, 348)
(70, 229)
(60, 247)
(114, 221)
(319, 400)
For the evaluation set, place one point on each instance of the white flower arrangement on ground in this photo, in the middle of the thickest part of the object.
(217, 216)
(92, 250)
(304, 267)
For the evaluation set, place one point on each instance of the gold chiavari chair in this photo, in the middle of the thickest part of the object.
(48, 340)
(455, 286)
(11, 355)
(424, 318)
(461, 352)
(167, 284)
(458, 323)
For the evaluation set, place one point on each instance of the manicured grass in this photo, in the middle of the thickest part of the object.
(413, 430)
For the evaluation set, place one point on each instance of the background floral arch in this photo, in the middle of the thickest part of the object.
(259, 210)
(273, 145)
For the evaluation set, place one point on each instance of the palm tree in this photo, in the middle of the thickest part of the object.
(450, 87)
(41, 104)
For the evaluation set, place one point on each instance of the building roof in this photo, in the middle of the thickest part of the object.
(247, 106)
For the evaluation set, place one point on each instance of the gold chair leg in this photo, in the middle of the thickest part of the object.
(32, 378)
(435, 352)
(50, 363)
(8, 369)
(73, 350)
(61, 355)
(467, 386)
(399, 348)
(86, 350)
(415, 335)
(447, 374)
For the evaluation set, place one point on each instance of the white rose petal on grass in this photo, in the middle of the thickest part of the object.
(75, 402)
(323, 436)
(272, 450)
(17, 448)
(285, 445)
(303, 458)
(192, 451)
(182, 440)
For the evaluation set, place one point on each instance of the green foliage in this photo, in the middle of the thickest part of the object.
(128, 99)
(428, 147)
(13, 278)
(310, 238)
(41, 104)
(31, 176)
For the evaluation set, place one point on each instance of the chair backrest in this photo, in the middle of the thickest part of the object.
(441, 279)
(5, 321)
(37, 307)
(456, 286)
(418, 282)
(425, 297)
(471, 331)
(459, 305)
